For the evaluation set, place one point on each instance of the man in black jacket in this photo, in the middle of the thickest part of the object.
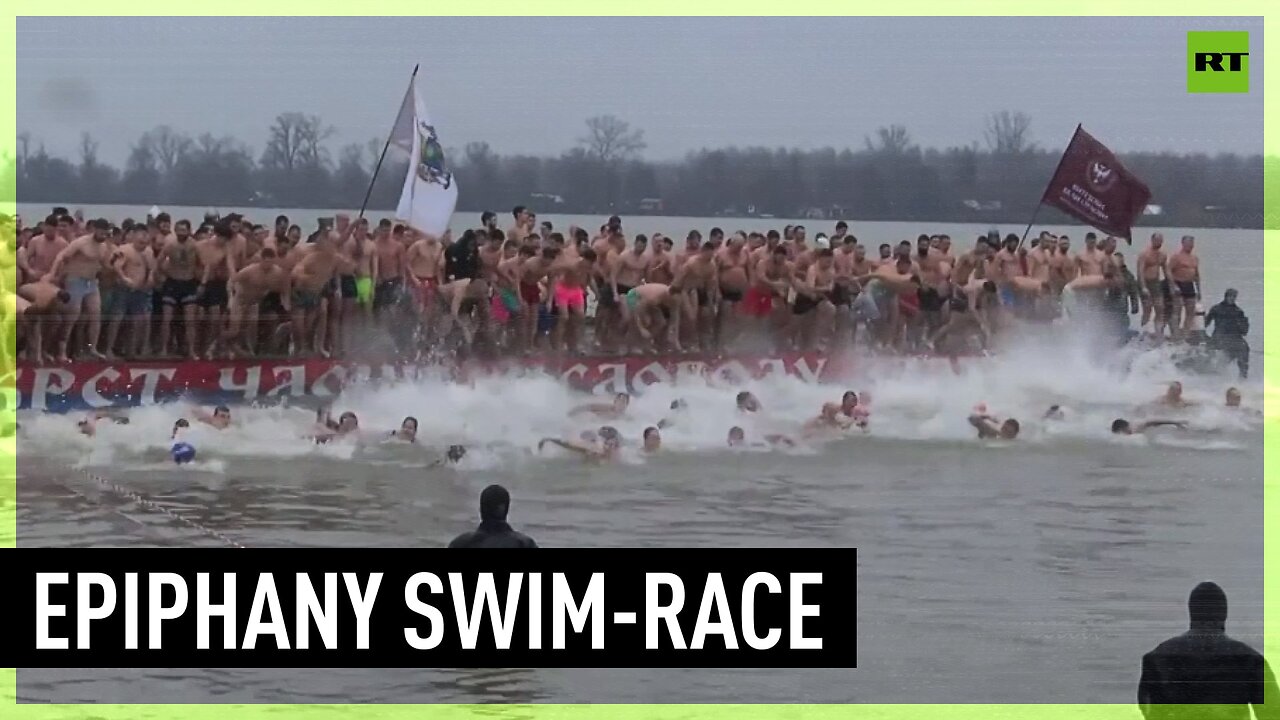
(1230, 325)
(1204, 666)
(493, 532)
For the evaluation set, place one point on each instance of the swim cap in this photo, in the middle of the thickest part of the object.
(182, 453)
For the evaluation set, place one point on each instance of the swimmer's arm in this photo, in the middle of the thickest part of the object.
(985, 424)
(1161, 423)
(566, 445)
(780, 440)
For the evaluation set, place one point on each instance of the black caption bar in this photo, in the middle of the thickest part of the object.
(431, 608)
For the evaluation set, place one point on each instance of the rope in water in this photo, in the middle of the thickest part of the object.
(148, 504)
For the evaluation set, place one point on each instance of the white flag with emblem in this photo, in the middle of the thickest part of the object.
(430, 192)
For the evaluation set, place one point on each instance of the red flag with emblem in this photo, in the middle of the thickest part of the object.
(1092, 186)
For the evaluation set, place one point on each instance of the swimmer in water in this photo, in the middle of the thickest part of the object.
(990, 428)
(612, 411)
(408, 431)
(678, 408)
(747, 402)
(738, 438)
(1054, 413)
(829, 419)
(1233, 398)
(347, 424)
(452, 456)
(611, 444)
(1124, 427)
(652, 440)
(220, 419)
(182, 452)
(850, 408)
(1173, 397)
(89, 425)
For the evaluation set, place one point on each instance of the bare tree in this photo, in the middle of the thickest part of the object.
(893, 140)
(88, 150)
(296, 140)
(1008, 133)
(24, 147)
(611, 140)
(168, 146)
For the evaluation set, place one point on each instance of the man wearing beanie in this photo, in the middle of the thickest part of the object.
(1204, 666)
(494, 532)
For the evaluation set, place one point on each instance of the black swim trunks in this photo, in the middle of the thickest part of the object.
(605, 296)
(1186, 290)
(930, 299)
(387, 293)
(704, 298)
(732, 296)
(214, 294)
(840, 295)
(804, 304)
(271, 304)
(347, 283)
(179, 292)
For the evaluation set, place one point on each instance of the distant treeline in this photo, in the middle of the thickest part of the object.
(888, 177)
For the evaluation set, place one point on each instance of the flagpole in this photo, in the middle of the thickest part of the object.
(368, 193)
(1079, 127)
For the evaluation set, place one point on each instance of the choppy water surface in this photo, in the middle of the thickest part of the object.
(1033, 571)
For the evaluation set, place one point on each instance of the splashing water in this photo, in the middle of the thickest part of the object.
(501, 419)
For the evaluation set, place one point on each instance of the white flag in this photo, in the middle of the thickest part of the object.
(430, 191)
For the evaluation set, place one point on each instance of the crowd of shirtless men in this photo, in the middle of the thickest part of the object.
(227, 288)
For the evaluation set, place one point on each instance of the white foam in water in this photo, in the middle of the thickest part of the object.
(500, 420)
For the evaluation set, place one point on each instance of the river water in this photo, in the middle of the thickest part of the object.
(1034, 571)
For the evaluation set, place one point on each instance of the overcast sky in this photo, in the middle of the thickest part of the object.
(527, 84)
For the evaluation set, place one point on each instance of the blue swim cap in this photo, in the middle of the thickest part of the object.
(182, 453)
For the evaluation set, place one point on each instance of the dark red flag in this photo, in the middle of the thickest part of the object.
(1092, 186)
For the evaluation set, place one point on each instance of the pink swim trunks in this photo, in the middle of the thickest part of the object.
(571, 297)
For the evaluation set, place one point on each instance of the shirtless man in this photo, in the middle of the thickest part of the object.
(1153, 277)
(523, 226)
(934, 287)
(733, 265)
(971, 265)
(39, 305)
(814, 291)
(569, 282)
(827, 421)
(136, 268)
(218, 266)
(79, 264)
(308, 281)
(41, 251)
(990, 428)
(697, 282)
(1184, 280)
(390, 270)
(249, 287)
(509, 288)
(652, 307)
(425, 262)
(661, 265)
(627, 272)
(536, 288)
(1038, 258)
(771, 283)
(357, 287)
(177, 265)
(1007, 266)
(1062, 267)
(1090, 260)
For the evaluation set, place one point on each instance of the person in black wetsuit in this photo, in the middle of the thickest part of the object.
(493, 532)
(1230, 325)
(1204, 666)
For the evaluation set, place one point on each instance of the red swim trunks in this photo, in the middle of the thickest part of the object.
(757, 303)
(425, 291)
(909, 304)
(530, 293)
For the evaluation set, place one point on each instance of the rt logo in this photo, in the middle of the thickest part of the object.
(1217, 62)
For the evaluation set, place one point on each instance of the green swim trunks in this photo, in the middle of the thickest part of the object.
(364, 290)
(305, 299)
(510, 299)
(633, 299)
